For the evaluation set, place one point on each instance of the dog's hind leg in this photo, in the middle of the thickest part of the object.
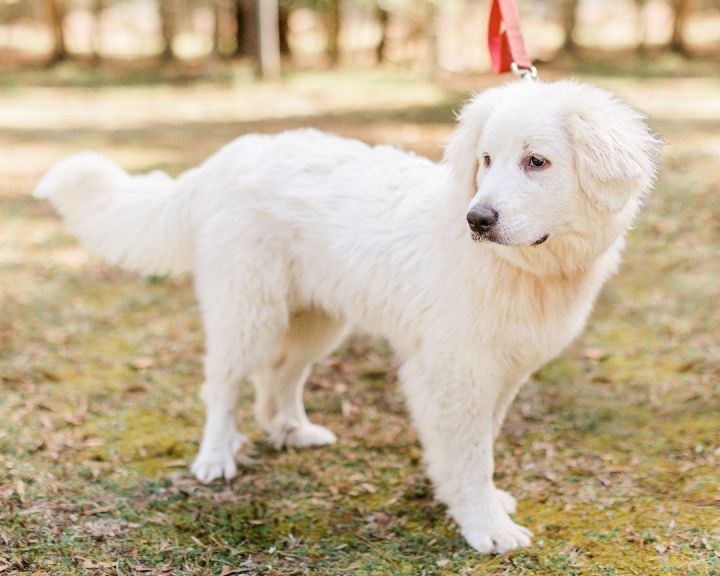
(241, 285)
(279, 409)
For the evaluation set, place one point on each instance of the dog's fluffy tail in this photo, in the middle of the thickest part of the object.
(141, 223)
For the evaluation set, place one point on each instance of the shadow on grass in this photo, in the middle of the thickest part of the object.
(116, 73)
(652, 62)
(628, 63)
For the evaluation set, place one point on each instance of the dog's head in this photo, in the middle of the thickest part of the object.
(542, 162)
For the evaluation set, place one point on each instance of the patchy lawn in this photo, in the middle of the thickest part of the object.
(612, 450)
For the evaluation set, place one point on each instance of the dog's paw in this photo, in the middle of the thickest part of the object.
(218, 461)
(506, 500)
(498, 538)
(299, 435)
(487, 526)
(311, 435)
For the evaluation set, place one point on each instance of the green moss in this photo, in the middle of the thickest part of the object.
(142, 438)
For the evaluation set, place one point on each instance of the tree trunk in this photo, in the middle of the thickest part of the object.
(430, 27)
(641, 29)
(97, 10)
(569, 23)
(383, 17)
(332, 27)
(56, 14)
(284, 31)
(681, 9)
(244, 28)
(268, 45)
(216, 15)
(167, 25)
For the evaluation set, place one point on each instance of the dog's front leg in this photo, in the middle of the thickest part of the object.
(453, 410)
(505, 398)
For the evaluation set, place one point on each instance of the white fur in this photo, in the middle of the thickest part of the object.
(293, 238)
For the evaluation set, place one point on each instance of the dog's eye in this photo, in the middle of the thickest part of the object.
(536, 161)
(486, 160)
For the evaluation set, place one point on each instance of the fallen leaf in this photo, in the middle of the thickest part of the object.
(369, 488)
(348, 409)
(174, 464)
(90, 564)
(595, 354)
(142, 363)
(46, 422)
(93, 442)
(99, 510)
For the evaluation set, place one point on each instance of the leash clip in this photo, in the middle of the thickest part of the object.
(529, 74)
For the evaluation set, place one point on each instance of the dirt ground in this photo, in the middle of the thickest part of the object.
(612, 450)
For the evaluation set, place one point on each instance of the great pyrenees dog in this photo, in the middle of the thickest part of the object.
(478, 269)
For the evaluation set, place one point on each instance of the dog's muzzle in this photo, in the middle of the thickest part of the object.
(482, 220)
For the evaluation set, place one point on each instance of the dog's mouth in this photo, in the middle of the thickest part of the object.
(491, 237)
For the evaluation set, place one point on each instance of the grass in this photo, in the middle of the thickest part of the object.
(613, 449)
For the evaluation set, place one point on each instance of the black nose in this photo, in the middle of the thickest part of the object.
(481, 219)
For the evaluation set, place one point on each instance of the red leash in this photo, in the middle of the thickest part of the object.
(506, 44)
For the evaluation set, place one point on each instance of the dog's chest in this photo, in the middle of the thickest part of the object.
(532, 321)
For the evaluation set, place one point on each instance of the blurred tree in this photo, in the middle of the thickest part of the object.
(223, 44)
(383, 18)
(284, 29)
(216, 50)
(568, 15)
(244, 28)
(268, 35)
(333, 20)
(681, 11)
(330, 13)
(97, 8)
(640, 25)
(426, 25)
(166, 12)
(56, 16)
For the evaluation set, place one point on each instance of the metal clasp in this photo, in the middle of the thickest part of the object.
(524, 73)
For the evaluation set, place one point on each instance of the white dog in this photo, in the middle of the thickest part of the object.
(294, 238)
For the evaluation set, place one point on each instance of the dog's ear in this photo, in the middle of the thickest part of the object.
(461, 153)
(616, 154)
